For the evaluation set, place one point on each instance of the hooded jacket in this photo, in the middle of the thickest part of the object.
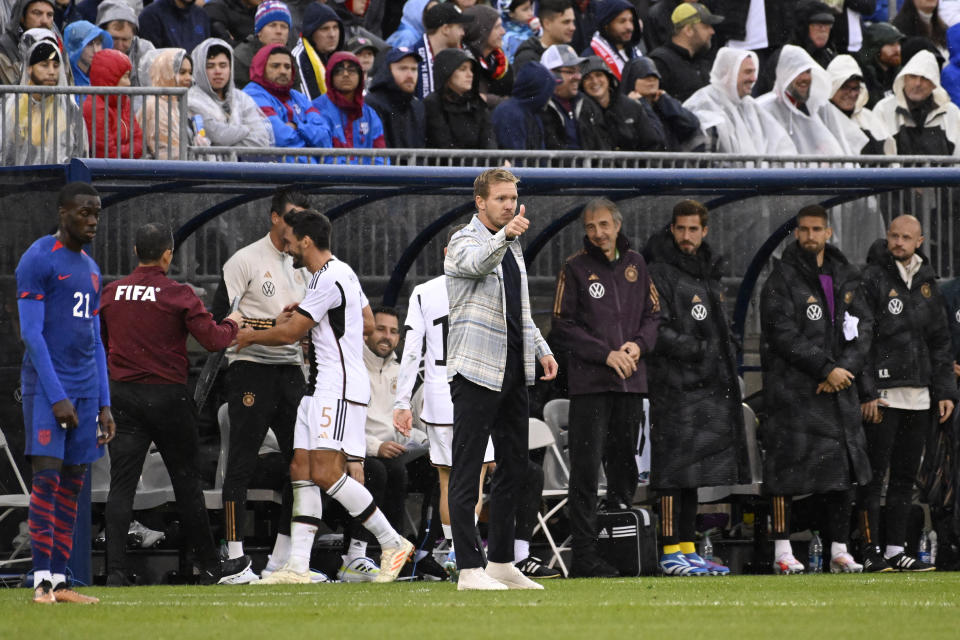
(11, 54)
(530, 50)
(911, 339)
(814, 442)
(950, 74)
(110, 10)
(598, 306)
(676, 126)
(806, 129)
(312, 65)
(403, 116)
(493, 71)
(931, 128)
(166, 25)
(411, 30)
(624, 125)
(696, 418)
(602, 47)
(516, 121)
(75, 38)
(879, 80)
(735, 124)
(113, 130)
(161, 116)
(516, 34)
(284, 104)
(45, 131)
(457, 121)
(869, 126)
(236, 120)
(230, 20)
(351, 123)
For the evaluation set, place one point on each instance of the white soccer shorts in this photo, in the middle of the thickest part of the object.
(441, 445)
(333, 424)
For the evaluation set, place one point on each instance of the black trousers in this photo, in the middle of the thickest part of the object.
(259, 397)
(480, 413)
(603, 427)
(834, 508)
(163, 414)
(678, 516)
(896, 443)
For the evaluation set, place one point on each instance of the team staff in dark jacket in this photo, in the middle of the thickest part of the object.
(696, 417)
(457, 117)
(909, 376)
(145, 321)
(391, 94)
(605, 317)
(815, 337)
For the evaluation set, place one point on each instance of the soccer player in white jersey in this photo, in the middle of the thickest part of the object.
(329, 439)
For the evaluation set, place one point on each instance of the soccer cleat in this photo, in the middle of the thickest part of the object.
(534, 568)
(450, 565)
(63, 593)
(358, 570)
(392, 560)
(676, 564)
(227, 571)
(508, 574)
(478, 580)
(316, 577)
(428, 569)
(873, 562)
(903, 562)
(713, 568)
(844, 563)
(147, 537)
(247, 576)
(43, 594)
(590, 565)
(286, 575)
(786, 564)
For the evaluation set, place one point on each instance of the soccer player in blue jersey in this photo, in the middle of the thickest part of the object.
(66, 394)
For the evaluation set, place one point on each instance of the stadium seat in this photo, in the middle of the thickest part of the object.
(556, 476)
(213, 498)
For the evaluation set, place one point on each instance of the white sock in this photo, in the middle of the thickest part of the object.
(57, 579)
(892, 550)
(234, 548)
(356, 549)
(521, 550)
(281, 552)
(358, 502)
(301, 539)
(781, 547)
(837, 548)
(448, 533)
(40, 576)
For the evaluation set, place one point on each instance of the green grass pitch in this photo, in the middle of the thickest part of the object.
(824, 607)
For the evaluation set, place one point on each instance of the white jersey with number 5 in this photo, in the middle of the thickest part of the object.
(335, 301)
(426, 339)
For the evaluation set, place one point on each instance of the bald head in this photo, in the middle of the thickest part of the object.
(904, 237)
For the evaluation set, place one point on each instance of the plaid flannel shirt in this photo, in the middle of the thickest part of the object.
(477, 341)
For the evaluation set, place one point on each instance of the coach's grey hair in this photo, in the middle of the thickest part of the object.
(601, 203)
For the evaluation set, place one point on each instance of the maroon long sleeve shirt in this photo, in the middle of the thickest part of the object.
(145, 319)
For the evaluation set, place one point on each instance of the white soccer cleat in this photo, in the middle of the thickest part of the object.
(286, 575)
(844, 563)
(508, 574)
(786, 564)
(392, 560)
(247, 576)
(358, 570)
(478, 580)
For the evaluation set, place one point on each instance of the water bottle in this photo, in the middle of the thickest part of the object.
(933, 547)
(923, 549)
(815, 562)
(707, 548)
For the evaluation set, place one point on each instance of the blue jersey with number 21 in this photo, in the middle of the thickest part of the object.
(68, 285)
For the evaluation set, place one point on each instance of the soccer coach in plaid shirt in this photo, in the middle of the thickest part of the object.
(492, 344)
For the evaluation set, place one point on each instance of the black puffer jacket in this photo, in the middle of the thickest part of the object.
(951, 302)
(696, 421)
(402, 114)
(680, 73)
(911, 339)
(530, 50)
(457, 121)
(814, 442)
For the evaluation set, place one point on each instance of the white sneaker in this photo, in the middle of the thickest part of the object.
(316, 577)
(478, 580)
(247, 576)
(844, 563)
(786, 564)
(286, 575)
(358, 570)
(508, 574)
(148, 537)
(392, 560)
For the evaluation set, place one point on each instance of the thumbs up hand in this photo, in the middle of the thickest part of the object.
(517, 225)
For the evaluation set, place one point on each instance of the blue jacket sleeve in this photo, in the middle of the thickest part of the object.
(313, 129)
(100, 354)
(31, 330)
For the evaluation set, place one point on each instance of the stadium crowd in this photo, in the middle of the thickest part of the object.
(760, 77)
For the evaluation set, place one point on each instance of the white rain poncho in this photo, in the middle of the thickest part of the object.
(895, 114)
(808, 132)
(841, 69)
(41, 129)
(738, 124)
(235, 121)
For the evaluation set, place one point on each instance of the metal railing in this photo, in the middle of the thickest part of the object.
(51, 131)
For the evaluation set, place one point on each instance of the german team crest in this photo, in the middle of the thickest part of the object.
(631, 274)
(43, 436)
(95, 279)
(925, 290)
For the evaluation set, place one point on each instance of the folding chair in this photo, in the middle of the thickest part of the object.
(12, 501)
(213, 498)
(556, 477)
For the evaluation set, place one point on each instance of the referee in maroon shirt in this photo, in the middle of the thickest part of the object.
(145, 319)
